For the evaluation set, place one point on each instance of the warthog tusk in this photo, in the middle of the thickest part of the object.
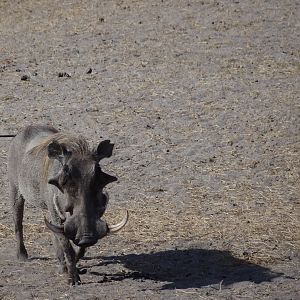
(119, 226)
(57, 208)
(54, 228)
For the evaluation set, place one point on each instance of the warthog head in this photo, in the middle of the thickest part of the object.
(82, 202)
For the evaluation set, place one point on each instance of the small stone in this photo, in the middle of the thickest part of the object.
(148, 126)
(25, 78)
(63, 74)
(89, 71)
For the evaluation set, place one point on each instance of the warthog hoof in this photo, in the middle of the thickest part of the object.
(74, 279)
(22, 254)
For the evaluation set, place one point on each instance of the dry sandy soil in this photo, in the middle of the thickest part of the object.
(200, 99)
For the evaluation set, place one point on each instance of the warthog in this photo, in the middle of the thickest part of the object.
(60, 173)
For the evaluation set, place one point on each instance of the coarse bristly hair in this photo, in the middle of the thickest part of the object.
(76, 144)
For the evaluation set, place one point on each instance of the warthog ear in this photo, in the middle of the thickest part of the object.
(104, 149)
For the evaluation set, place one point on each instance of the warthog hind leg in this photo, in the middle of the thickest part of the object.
(18, 211)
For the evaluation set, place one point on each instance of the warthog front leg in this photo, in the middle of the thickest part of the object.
(80, 253)
(18, 210)
(69, 261)
(60, 254)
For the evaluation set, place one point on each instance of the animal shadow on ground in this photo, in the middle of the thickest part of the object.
(33, 258)
(191, 268)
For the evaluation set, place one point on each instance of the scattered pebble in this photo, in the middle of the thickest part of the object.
(25, 78)
(63, 74)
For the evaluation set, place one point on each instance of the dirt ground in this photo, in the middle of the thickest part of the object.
(201, 101)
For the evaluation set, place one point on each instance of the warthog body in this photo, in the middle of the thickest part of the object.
(60, 173)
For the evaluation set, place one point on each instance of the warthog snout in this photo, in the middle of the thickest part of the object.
(86, 239)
